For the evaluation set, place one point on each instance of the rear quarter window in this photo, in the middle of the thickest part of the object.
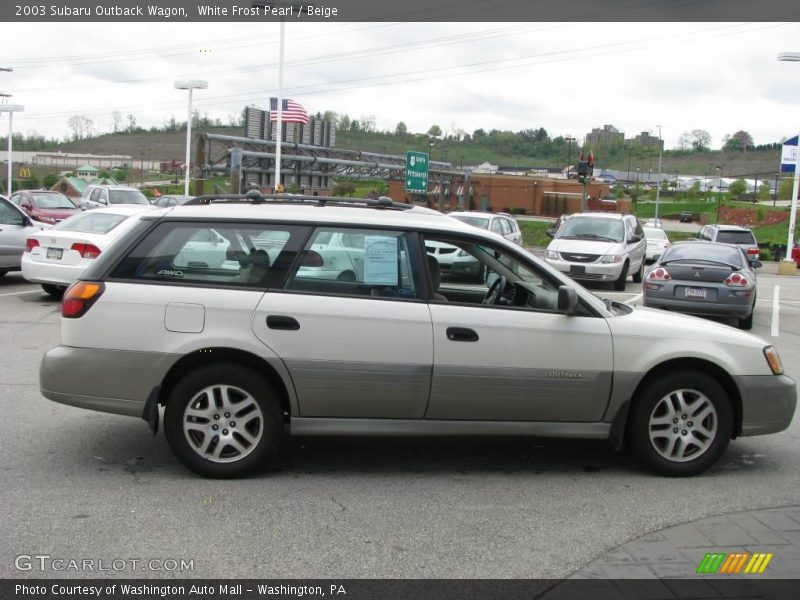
(254, 255)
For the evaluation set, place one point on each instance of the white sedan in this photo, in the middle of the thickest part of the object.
(657, 242)
(57, 257)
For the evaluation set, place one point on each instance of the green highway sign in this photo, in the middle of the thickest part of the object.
(416, 172)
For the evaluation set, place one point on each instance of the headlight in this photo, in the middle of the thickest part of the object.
(773, 360)
(611, 258)
(551, 254)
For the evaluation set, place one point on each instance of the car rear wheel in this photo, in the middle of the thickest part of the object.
(56, 291)
(3, 272)
(680, 424)
(619, 284)
(746, 323)
(224, 421)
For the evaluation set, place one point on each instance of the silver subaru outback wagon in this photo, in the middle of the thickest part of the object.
(215, 311)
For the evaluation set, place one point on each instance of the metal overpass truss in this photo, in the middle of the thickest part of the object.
(251, 163)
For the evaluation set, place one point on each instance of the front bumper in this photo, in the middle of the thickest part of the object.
(595, 271)
(113, 381)
(768, 403)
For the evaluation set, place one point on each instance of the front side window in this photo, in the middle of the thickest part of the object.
(358, 262)
(481, 274)
(236, 254)
(9, 215)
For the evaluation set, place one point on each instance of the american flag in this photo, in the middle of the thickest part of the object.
(293, 112)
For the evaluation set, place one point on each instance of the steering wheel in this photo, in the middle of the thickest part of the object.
(495, 291)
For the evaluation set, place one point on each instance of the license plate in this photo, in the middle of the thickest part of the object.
(696, 293)
(577, 269)
(55, 253)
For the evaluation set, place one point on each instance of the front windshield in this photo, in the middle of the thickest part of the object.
(52, 201)
(474, 221)
(126, 197)
(592, 228)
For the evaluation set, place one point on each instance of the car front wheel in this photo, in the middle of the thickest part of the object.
(680, 424)
(223, 421)
(619, 284)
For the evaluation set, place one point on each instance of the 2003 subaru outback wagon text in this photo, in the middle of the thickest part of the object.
(241, 343)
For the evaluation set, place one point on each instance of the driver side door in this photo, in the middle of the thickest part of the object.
(504, 362)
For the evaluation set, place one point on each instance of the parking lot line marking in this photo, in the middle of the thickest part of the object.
(776, 300)
(18, 293)
(634, 299)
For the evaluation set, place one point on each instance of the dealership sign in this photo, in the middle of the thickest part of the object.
(789, 155)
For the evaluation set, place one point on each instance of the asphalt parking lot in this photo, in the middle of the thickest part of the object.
(83, 485)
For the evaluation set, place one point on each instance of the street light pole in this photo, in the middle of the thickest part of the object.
(719, 191)
(190, 84)
(10, 109)
(569, 141)
(658, 181)
(787, 265)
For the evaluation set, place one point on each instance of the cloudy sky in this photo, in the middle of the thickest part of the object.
(565, 77)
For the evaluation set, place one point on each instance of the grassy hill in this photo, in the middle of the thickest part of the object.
(166, 145)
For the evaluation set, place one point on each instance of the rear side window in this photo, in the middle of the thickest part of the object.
(358, 262)
(237, 254)
(91, 222)
(736, 237)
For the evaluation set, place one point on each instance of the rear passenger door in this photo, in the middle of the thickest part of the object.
(359, 346)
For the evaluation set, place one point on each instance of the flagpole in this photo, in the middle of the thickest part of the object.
(279, 131)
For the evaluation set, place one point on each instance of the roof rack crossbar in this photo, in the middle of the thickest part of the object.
(256, 197)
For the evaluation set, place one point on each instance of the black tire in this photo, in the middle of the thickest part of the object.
(637, 277)
(3, 272)
(249, 387)
(56, 291)
(656, 400)
(619, 284)
(746, 323)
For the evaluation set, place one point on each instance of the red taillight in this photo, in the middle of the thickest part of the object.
(313, 259)
(30, 244)
(754, 251)
(86, 250)
(79, 298)
(659, 274)
(737, 280)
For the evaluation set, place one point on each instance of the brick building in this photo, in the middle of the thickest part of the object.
(511, 193)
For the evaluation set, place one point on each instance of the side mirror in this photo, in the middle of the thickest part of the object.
(26, 206)
(551, 233)
(567, 299)
(102, 201)
(635, 239)
(756, 264)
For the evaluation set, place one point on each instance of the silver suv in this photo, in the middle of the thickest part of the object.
(732, 234)
(599, 246)
(215, 311)
(102, 196)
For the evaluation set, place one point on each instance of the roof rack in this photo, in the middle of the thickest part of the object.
(256, 197)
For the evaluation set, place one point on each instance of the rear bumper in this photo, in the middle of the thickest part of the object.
(768, 403)
(691, 307)
(113, 381)
(44, 272)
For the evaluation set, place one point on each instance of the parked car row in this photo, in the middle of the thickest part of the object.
(713, 275)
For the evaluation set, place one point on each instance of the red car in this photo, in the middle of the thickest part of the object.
(45, 206)
(796, 254)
